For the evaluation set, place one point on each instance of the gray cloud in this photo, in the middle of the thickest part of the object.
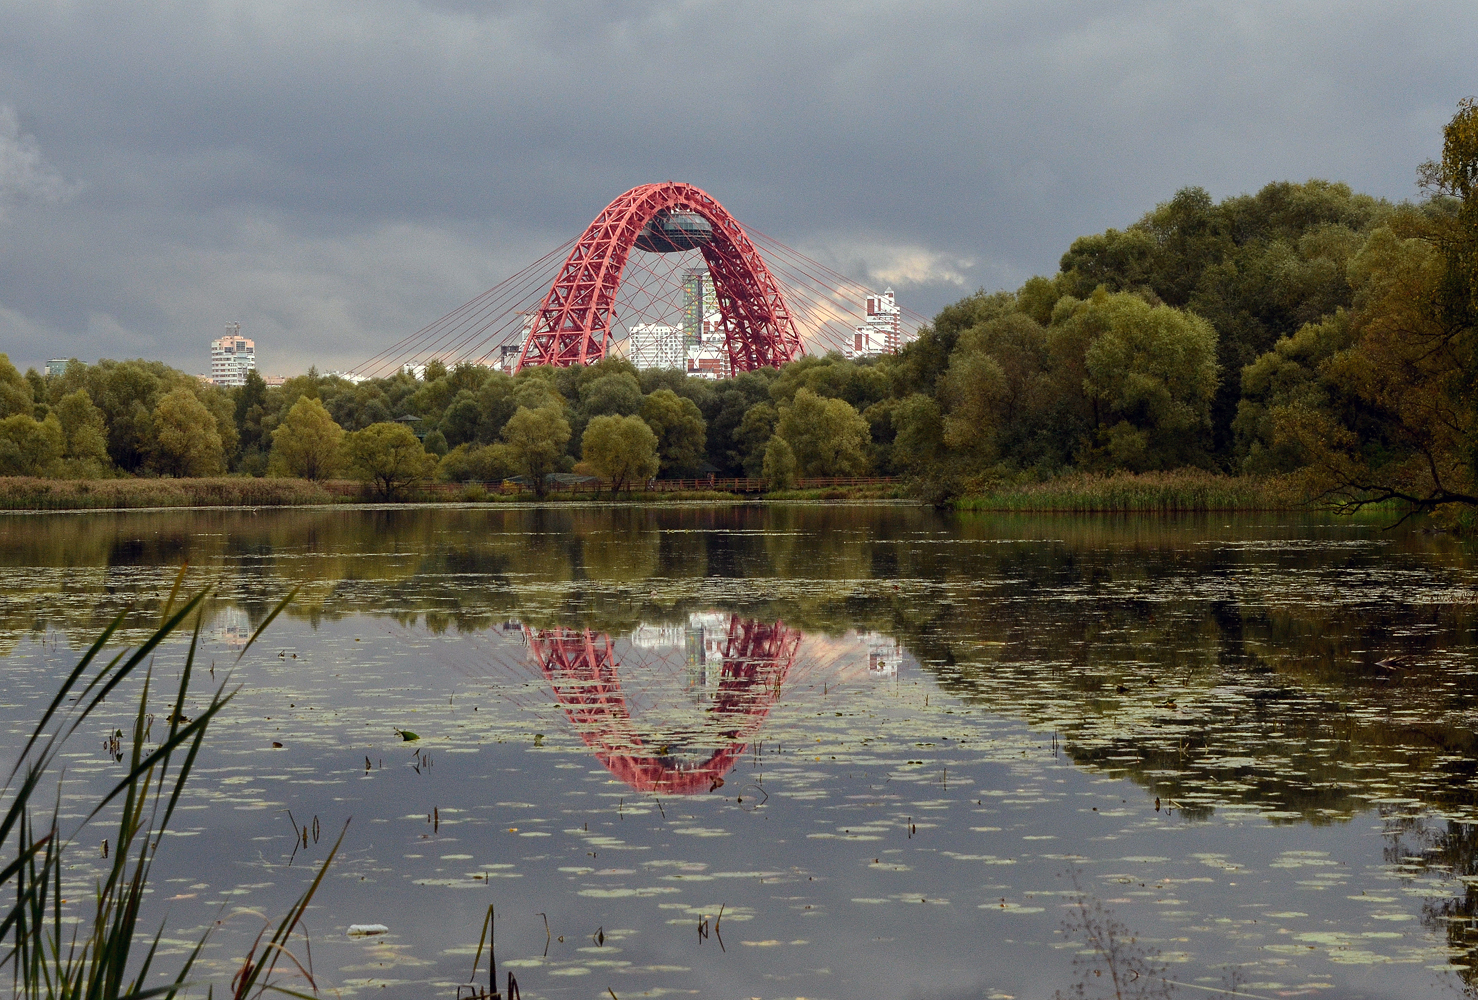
(24, 172)
(334, 176)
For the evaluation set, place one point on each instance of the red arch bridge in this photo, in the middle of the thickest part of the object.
(662, 258)
(581, 667)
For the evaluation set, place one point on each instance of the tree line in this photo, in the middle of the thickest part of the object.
(1306, 331)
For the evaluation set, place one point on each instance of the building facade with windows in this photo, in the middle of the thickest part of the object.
(881, 331)
(654, 345)
(231, 357)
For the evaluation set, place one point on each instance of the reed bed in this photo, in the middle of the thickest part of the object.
(97, 948)
(26, 493)
(1181, 491)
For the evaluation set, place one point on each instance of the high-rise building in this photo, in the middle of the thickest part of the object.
(881, 331)
(56, 366)
(231, 357)
(652, 345)
(694, 278)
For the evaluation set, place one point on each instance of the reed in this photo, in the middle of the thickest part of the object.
(27, 493)
(1183, 490)
(99, 958)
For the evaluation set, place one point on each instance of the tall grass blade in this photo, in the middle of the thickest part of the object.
(97, 959)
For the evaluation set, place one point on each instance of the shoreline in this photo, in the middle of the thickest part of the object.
(1186, 491)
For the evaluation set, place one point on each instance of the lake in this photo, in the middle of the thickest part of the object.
(797, 751)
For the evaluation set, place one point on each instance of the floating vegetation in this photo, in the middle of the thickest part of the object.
(821, 735)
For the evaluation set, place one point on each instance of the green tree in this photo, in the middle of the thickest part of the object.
(1290, 379)
(185, 440)
(30, 447)
(827, 436)
(85, 436)
(15, 391)
(621, 449)
(1153, 372)
(537, 439)
(388, 457)
(128, 393)
(1455, 176)
(308, 443)
(495, 403)
(752, 435)
(918, 441)
(253, 441)
(1391, 416)
(680, 430)
(976, 392)
(251, 403)
(460, 419)
(1257, 267)
(779, 464)
(618, 393)
(482, 463)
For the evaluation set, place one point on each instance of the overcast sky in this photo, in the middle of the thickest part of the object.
(335, 175)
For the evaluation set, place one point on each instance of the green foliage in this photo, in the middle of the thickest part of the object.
(15, 391)
(388, 457)
(30, 447)
(918, 442)
(469, 463)
(827, 436)
(1257, 267)
(460, 420)
(1455, 176)
(536, 440)
(308, 443)
(435, 443)
(85, 436)
(618, 393)
(184, 440)
(680, 430)
(1154, 370)
(251, 408)
(752, 436)
(622, 449)
(779, 464)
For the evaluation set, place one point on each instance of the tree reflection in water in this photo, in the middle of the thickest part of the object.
(581, 667)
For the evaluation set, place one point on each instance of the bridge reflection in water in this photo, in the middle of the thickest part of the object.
(581, 667)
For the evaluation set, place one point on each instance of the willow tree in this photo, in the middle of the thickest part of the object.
(1396, 411)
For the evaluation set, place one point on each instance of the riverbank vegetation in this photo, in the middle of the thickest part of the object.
(1306, 342)
(96, 944)
(32, 493)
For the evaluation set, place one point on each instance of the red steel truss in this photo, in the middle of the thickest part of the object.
(573, 324)
(581, 668)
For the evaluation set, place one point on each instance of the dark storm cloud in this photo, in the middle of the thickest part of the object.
(334, 176)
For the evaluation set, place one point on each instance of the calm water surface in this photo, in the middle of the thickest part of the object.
(890, 747)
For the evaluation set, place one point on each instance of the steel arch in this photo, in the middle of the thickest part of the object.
(573, 323)
(581, 668)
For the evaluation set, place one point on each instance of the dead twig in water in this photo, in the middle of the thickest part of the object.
(1133, 971)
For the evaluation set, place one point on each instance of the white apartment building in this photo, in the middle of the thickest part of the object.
(881, 331)
(653, 345)
(231, 357)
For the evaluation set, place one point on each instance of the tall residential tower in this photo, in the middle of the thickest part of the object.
(231, 357)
